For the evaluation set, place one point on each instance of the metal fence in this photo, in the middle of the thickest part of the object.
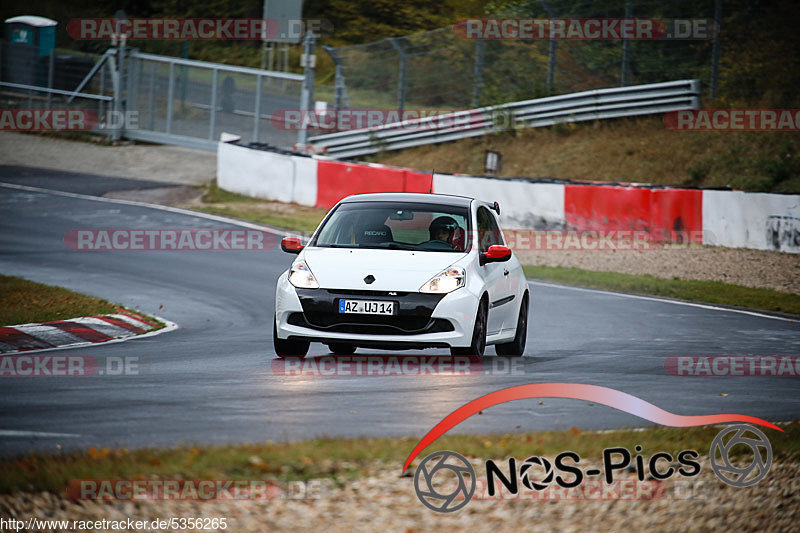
(30, 82)
(167, 99)
(588, 105)
(30, 97)
(63, 70)
(438, 69)
(195, 101)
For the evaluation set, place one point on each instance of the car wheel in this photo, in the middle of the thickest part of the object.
(478, 345)
(516, 347)
(286, 347)
(340, 348)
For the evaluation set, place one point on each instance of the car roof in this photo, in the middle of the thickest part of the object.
(423, 198)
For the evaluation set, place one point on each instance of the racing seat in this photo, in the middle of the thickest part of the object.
(375, 234)
(457, 240)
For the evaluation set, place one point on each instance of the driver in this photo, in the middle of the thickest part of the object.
(441, 231)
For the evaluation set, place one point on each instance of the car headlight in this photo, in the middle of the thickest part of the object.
(301, 277)
(447, 281)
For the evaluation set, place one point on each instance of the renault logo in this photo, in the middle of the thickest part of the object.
(369, 279)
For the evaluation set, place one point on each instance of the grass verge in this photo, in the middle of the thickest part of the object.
(714, 292)
(343, 458)
(26, 301)
(290, 216)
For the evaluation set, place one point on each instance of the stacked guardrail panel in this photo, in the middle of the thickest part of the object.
(588, 105)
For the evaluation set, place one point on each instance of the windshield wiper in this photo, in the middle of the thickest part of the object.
(376, 246)
(338, 245)
(401, 246)
(391, 246)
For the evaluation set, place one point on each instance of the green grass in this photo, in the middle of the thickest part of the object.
(289, 216)
(714, 292)
(214, 194)
(270, 219)
(342, 458)
(372, 99)
(27, 301)
(640, 150)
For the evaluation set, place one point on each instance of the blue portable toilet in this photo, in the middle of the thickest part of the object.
(30, 41)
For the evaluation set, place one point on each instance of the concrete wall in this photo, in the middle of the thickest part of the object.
(721, 218)
(267, 175)
(752, 220)
(523, 204)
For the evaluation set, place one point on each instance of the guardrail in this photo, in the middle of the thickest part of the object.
(59, 92)
(588, 105)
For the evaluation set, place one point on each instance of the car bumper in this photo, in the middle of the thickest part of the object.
(422, 320)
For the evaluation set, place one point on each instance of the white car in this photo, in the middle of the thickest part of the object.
(403, 271)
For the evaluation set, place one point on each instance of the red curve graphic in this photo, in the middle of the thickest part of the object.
(590, 393)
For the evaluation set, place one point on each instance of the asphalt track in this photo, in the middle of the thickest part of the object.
(211, 380)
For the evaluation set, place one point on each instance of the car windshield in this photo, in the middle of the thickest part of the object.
(396, 226)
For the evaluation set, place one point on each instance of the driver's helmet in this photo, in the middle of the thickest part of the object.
(443, 223)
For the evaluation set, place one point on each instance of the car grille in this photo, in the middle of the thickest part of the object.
(360, 293)
(412, 314)
(370, 324)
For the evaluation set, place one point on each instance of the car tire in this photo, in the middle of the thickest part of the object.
(286, 347)
(516, 347)
(478, 345)
(341, 348)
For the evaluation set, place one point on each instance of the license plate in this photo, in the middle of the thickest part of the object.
(366, 307)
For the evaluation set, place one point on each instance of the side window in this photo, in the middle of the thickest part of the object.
(494, 229)
(488, 231)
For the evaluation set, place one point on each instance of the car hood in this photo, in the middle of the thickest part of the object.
(394, 270)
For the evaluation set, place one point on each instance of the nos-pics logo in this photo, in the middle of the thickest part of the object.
(445, 481)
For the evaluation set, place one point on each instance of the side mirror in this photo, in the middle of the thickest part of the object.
(495, 254)
(291, 245)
